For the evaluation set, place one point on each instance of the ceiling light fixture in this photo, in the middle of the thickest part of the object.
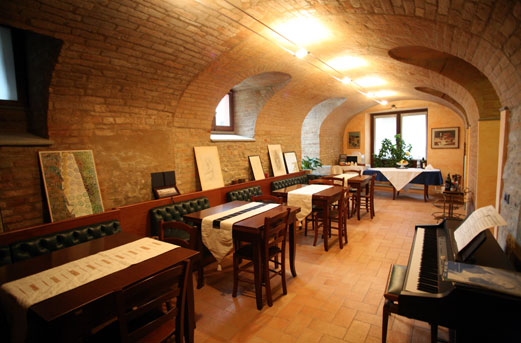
(300, 52)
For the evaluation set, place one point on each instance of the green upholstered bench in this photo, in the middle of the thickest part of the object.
(175, 212)
(40, 245)
(243, 194)
(302, 179)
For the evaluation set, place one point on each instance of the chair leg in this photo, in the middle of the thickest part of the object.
(267, 284)
(283, 271)
(385, 320)
(235, 275)
(434, 332)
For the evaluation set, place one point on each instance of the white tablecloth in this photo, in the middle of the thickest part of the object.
(346, 177)
(303, 198)
(220, 240)
(399, 178)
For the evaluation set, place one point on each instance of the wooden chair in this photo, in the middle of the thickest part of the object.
(352, 191)
(152, 310)
(273, 245)
(393, 288)
(367, 197)
(267, 198)
(184, 235)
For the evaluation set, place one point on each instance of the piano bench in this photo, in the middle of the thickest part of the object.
(394, 286)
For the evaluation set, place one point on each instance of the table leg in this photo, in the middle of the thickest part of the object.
(394, 193)
(358, 201)
(425, 192)
(189, 323)
(325, 227)
(257, 271)
(292, 247)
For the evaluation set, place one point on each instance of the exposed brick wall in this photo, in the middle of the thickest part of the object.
(138, 81)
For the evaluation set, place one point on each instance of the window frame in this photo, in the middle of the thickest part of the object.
(398, 114)
(17, 41)
(230, 128)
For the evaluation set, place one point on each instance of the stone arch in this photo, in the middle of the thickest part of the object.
(310, 132)
(250, 96)
(456, 69)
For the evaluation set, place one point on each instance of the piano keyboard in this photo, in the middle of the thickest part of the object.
(422, 274)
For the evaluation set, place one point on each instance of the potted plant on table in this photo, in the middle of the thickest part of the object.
(392, 154)
(311, 163)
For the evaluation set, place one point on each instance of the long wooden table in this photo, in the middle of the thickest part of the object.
(71, 315)
(322, 199)
(250, 229)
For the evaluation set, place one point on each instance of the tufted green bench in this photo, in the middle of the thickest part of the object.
(36, 246)
(302, 179)
(175, 212)
(243, 194)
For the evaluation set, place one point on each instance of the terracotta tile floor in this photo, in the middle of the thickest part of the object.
(337, 295)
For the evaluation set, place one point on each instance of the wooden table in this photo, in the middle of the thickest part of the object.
(250, 230)
(322, 199)
(425, 178)
(71, 315)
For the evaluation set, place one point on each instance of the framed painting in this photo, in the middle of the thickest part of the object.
(445, 138)
(209, 167)
(256, 167)
(71, 183)
(290, 158)
(277, 162)
(353, 140)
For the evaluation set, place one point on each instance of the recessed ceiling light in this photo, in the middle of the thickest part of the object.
(370, 81)
(303, 31)
(347, 62)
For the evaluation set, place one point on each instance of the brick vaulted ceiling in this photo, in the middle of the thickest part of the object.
(171, 42)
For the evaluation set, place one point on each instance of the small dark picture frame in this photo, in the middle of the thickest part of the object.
(165, 191)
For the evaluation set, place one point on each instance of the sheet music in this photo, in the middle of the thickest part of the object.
(479, 220)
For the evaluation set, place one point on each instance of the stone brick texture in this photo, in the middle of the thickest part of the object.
(138, 81)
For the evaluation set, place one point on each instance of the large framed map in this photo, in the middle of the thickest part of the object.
(71, 183)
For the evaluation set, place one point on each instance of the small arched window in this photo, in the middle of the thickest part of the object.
(224, 119)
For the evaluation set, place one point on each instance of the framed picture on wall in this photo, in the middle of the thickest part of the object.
(290, 158)
(209, 167)
(256, 167)
(445, 138)
(353, 140)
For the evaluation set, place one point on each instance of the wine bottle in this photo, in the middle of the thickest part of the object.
(448, 182)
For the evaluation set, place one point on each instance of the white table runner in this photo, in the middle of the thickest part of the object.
(49, 283)
(302, 198)
(219, 240)
(346, 177)
(18, 295)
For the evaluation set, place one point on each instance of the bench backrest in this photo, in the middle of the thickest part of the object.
(302, 179)
(176, 211)
(40, 245)
(243, 194)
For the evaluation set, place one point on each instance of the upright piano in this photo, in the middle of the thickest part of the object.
(473, 314)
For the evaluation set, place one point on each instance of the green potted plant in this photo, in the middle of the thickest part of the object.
(311, 163)
(390, 154)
